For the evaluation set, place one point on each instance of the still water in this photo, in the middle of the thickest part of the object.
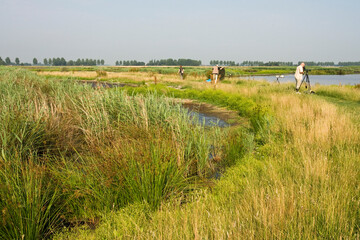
(207, 120)
(352, 79)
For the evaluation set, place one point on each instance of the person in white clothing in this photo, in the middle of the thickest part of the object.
(299, 74)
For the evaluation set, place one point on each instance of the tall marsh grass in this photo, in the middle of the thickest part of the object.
(30, 203)
(70, 153)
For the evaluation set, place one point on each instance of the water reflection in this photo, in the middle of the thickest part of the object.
(207, 120)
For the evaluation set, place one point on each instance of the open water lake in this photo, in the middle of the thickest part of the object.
(352, 79)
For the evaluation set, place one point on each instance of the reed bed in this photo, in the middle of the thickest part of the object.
(69, 153)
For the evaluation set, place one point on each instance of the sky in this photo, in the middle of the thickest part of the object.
(236, 30)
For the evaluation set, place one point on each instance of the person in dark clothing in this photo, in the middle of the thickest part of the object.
(181, 72)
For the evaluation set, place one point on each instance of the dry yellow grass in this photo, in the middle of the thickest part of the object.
(135, 76)
(313, 122)
(90, 74)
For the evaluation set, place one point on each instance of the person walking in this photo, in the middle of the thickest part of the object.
(181, 72)
(215, 72)
(299, 74)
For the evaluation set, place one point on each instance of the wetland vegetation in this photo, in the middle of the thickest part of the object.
(113, 163)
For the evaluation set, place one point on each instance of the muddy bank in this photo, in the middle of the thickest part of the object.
(97, 84)
(230, 118)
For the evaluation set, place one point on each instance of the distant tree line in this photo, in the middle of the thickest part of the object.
(55, 62)
(271, 63)
(224, 63)
(129, 63)
(174, 62)
(311, 63)
(78, 62)
(349, 63)
(252, 63)
(9, 62)
(161, 62)
(279, 64)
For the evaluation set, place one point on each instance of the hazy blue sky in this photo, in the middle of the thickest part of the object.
(279, 30)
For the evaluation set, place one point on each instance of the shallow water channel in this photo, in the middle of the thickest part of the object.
(207, 120)
(195, 111)
(96, 84)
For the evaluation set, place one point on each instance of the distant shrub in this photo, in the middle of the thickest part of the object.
(240, 82)
(101, 73)
(194, 74)
(250, 70)
(208, 74)
(134, 69)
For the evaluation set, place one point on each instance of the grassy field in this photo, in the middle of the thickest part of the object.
(79, 163)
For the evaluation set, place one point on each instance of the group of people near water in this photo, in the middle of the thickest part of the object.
(299, 75)
(216, 72)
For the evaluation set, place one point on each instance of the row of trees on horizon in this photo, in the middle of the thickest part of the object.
(161, 62)
(129, 63)
(224, 63)
(164, 62)
(55, 62)
(78, 62)
(7, 61)
(274, 63)
(174, 62)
